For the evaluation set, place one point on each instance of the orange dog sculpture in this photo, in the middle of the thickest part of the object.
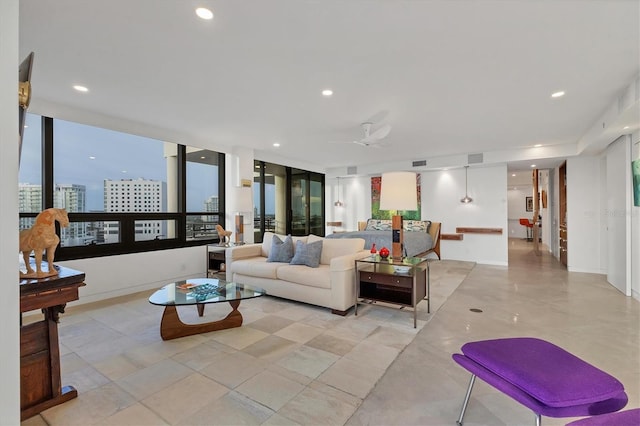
(225, 236)
(40, 237)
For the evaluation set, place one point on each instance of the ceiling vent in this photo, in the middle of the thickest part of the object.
(474, 158)
(352, 170)
(419, 163)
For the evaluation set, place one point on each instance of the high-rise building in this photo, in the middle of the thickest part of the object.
(137, 196)
(211, 204)
(29, 201)
(29, 197)
(72, 197)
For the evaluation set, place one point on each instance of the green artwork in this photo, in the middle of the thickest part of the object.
(635, 170)
(376, 213)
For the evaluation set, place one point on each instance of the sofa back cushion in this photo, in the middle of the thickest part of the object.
(334, 247)
(268, 236)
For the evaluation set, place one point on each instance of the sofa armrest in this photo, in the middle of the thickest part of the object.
(347, 262)
(343, 280)
(242, 252)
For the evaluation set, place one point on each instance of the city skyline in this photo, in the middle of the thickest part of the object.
(94, 155)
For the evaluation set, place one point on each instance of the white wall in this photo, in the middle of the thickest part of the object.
(238, 199)
(616, 204)
(583, 215)
(441, 193)
(9, 302)
(355, 194)
(114, 276)
(635, 228)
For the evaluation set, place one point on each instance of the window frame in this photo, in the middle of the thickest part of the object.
(126, 220)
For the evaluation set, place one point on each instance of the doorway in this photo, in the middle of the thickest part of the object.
(523, 202)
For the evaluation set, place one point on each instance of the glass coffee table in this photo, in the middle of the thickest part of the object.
(199, 292)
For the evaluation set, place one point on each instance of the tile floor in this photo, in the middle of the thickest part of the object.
(295, 364)
(289, 363)
(535, 296)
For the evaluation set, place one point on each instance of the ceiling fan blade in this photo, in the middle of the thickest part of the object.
(378, 116)
(381, 133)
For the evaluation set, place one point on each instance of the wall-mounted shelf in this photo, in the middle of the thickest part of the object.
(470, 230)
(455, 237)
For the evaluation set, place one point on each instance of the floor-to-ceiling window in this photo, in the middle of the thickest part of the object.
(204, 193)
(123, 193)
(287, 200)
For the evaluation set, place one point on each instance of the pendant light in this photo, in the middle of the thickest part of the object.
(338, 203)
(466, 198)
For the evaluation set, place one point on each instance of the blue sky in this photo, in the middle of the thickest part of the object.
(87, 155)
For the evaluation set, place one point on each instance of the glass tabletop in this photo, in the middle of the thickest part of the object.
(203, 290)
(407, 261)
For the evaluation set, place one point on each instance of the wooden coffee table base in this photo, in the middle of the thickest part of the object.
(172, 327)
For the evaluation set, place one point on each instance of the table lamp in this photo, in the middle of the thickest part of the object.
(398, 191)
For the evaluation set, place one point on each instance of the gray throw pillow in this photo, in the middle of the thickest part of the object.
(307, 254)
(281, 251)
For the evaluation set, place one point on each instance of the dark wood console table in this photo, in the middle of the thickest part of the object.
(40, 384)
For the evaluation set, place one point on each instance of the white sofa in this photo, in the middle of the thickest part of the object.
(331, 284)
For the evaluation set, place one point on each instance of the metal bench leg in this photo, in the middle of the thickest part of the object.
(466, 399)
(538, 419)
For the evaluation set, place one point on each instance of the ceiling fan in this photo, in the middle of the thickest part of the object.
(370, 139)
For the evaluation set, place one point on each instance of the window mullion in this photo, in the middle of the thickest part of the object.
(48, 184)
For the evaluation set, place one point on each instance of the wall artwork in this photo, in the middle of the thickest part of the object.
(376, 213)
(529, 204)
(635, 170)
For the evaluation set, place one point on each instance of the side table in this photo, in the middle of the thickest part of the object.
(216, 267)
(377, 280)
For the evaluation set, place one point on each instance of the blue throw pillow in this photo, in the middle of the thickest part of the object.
(307, 254)
(281, 251)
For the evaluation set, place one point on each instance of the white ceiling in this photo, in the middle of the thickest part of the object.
(450, 77)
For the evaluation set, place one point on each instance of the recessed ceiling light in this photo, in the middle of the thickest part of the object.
(92, 157)
(257, 167)
(202, 157)
(624, 128)
(557, 94)
(276, 144)
(538, 145)
(204, 13)
(327, 92)
(124, 171)
(533, 165)
(80, 88)
(513, 174)
(25, 126)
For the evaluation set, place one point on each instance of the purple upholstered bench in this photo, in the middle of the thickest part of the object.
(541, 376)
(621, 418)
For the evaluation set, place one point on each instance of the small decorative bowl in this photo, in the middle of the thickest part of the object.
(401, 269)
